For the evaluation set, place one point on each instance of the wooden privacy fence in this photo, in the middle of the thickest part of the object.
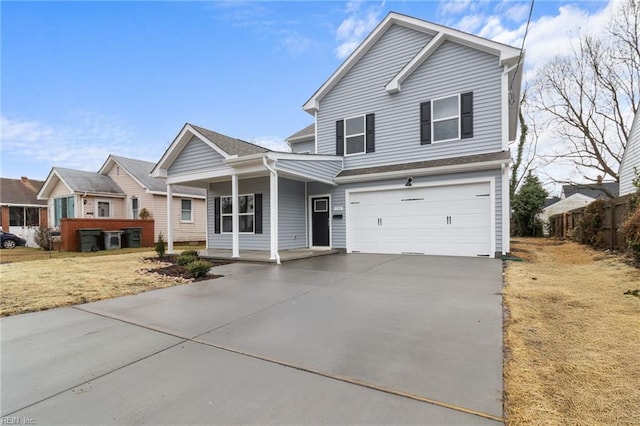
(615, 212)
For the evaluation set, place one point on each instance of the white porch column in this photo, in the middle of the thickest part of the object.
(235, 217)
(273, 215)
(169, 235)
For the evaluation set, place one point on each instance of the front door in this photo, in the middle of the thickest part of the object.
(320, 222)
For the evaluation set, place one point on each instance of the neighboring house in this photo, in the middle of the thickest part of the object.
(408, 154)
(630, 164)
(575, 196)
(119, 190)
(600, 190)
(20, 210)
(563, 205)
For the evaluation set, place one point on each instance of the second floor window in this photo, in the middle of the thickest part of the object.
(355, 135)
(445, 119)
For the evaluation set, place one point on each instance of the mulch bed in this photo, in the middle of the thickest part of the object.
(171, 269)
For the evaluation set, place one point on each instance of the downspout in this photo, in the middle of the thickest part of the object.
(273, 207)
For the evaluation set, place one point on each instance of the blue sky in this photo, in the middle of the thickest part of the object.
(81, 80)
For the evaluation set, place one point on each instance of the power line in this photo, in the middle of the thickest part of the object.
(524, 37)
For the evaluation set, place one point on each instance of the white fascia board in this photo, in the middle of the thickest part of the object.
(302, 157)
(108, 164)
(395, 85)
(49, 184)
(214, 175)
(506, 53)
(238, 161)
(300, 139)
(457, 168)
(42, 206)
(178, 144)
(313, 104)
(99, 194)
(177, 194)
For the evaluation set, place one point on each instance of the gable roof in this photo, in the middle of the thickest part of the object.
(20, 191)
(140, 171)
(507, 55)
(602, 190)
(308, 132)
(226, 146)
(80, 181)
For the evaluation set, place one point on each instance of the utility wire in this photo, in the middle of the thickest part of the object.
(524, 37)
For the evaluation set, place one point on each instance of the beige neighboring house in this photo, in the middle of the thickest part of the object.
(119, 190)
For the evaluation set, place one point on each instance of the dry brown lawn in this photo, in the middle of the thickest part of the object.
(572, 337)
(42, 283)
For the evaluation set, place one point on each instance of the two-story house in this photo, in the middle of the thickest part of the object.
(120, 190)
(408, 153)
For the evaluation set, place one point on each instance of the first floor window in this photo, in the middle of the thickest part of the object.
(246, 214)
(63, 208)
(135, 208)
(24, 216)
(104, 209)
(186, 211)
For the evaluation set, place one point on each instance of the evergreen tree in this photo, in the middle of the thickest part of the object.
(526, 204)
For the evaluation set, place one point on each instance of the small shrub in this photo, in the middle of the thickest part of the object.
(144, 213)
(183, 260)
(42, 238)
(591, 224)
(192, 253)
(161, 247)
(198, 268)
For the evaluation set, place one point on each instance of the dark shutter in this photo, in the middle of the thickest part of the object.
(425, 123)
(340, 137)
(371, 133)
(466, 115)
(257, 208)
(216, 215)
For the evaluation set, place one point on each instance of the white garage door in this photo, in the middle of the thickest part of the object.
(442, 220)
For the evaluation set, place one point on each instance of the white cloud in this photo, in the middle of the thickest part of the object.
(360, 22)
(449, 7)
(83, 142)
(272, 143)
(294, 42)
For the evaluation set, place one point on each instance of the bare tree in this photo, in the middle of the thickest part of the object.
(590, 96)
(527, 144)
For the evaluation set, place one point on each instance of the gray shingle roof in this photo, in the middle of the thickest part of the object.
(469, 159)
(81, 181)
(140, 171)
(20, 191)
(231, 146)
(602, 190)
(309, 131)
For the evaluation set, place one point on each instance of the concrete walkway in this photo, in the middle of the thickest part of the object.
(372, 339)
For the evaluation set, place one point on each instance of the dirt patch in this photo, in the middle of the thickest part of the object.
(50, 283)
(572, 336)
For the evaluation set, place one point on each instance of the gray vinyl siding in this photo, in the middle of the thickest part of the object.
(338, 226)
(291, 209)
(291, 214)
(247, 241)
(631, 159)
(326, 170)
(305, 146)
(196, 156)
(451, 69)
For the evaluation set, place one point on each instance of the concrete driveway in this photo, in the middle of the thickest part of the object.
(335, 339)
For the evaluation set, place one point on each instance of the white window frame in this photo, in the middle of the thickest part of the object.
(363, 134)
(253, 213)
(182, 211)
(434, 121)
(135, 213)
(97, 209)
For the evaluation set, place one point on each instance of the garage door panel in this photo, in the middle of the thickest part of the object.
(448, 220)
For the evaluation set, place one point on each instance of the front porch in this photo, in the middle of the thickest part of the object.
(264, 256)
